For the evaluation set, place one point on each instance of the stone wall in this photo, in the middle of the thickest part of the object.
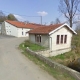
(45, 53)
(48, 53)
(53, 64)
(58, 52)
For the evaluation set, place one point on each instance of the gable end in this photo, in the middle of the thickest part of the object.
(66, 25)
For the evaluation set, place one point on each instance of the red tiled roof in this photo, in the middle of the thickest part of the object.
(24, 25)
(45, 29)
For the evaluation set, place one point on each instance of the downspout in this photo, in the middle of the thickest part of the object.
(50, 44)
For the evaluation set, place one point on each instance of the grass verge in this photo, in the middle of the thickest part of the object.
(32, 46)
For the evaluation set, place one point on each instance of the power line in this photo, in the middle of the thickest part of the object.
(19, 14)
(24, 15)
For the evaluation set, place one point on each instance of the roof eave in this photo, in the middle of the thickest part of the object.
(61, 27)
(39, 33)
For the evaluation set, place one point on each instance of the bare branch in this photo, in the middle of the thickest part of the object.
(69, 9)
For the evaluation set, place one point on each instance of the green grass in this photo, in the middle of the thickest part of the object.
(56, 73)
(62, 57)
(32, 46)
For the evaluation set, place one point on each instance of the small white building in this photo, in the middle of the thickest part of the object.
(56, 37)
(16, 28)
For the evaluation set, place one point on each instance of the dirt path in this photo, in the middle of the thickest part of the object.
(15, 66)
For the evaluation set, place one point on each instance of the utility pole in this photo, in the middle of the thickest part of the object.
(37, 16)
(41, 20)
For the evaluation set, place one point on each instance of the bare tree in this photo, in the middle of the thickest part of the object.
(69, 8)
(77, 27)
(51, 23)
(2, 16)
(57, 21)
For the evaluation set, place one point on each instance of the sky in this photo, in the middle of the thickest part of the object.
(31, 10)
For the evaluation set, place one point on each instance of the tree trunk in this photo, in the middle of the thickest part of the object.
(70, 21)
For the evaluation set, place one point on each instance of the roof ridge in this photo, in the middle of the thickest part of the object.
(23, 24)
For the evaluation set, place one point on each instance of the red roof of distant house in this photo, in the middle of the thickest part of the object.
(24, 25)
(45, 29)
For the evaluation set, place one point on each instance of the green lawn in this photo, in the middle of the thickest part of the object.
(32, 46)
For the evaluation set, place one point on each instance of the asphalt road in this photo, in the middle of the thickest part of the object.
(5, 36)
(15, 66)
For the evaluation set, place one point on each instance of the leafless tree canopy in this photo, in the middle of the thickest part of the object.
(57, 21)
(69, 9)
(2, 16)
(78, 27)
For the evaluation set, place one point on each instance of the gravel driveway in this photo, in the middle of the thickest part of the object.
(15, 66)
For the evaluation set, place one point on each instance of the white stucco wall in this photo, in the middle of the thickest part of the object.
(62, 31)
(44, 40)
(23, 32)
(3, 30)
(0, 27)
(32, 38)
(10, 29)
